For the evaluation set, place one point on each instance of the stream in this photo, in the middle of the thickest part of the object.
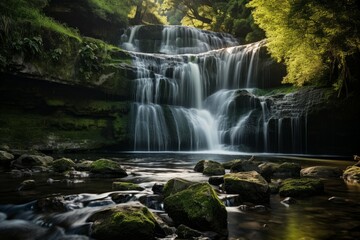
(310, 218)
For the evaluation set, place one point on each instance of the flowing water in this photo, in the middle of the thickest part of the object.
(311, 218)
(197, 91)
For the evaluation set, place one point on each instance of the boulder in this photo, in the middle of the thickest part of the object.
(5, 158)
(250, 186)
(126, 186)
(287, 170)
(267, 169)
(29, 161)
(216, 181)
(198, 207)
(62, 165)
(123, 221)
(51, 204)
(84, 165)
(301, 187)
(352, 174)
(245, 166)
(176, 185)
(229, 164)
(321, 172)
(158, 188)
(208, 167)
(107, 168)
(184, 232)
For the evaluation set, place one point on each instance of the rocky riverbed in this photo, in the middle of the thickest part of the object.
(177, 196)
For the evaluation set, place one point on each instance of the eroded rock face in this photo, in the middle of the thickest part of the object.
(198, 207)
(123, 221)
(250, 186)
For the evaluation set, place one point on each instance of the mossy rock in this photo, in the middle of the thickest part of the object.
(125, 222)
(245, 166)
(352, 174)
(198, 207)
(250, 186)
(301, 187)
(126, 186)
(229, 164)
(267, 169)
(62, 165)
(287, 170)
(29, 161)
(176, 185)
(106, 167)
(84, 165)
(208, 167)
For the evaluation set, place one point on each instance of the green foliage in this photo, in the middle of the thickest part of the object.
(30, 46)
(314, 38)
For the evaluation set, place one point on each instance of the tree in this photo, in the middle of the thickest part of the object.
(315, 39)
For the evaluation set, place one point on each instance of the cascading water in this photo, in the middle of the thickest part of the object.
(195, 92)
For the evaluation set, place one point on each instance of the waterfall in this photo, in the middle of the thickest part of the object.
(195, 91)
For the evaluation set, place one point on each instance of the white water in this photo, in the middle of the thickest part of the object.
(201, 100)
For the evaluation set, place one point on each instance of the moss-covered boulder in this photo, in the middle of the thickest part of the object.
(125, 222)
(301, 187)
(352, 174)
(29, 161)
(107, 168)
(208, 167)
(245, 166)
(250, 186)
(5, 158)
(198, 207)
(267, 169)
(83, 165)
(229, 164)
(126, 186)
(176, 185)
(287, 170)
(62, 165)
(321, 172)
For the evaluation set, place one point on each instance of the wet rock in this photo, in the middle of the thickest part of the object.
(216, 181)
(250, 186)
(100, 203)
(83, 165)
(287, 170)
(185, 232)
(126, 186)
(107, 168)
(321, 172)
(352, 174)
(133, 221)
(208, 167)
(176, 185)
(158, 188)
(267, 170)
(256, 208)
(5, 158)
(274, 187)
(229, 164)
(62, 165)
(27, 185)
(302, 187)
(245, 166)
(152, 201)
(198, 207)
(289, 201)
(40, 169)
(121, 197)
(51, 204)
(29, 161)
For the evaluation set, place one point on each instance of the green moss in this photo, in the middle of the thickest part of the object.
(176, 185)
(104, 164)
(125, 186)
(130, 222)
(229, 164)
(302, 187)
(199, 207)
(62, 165)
